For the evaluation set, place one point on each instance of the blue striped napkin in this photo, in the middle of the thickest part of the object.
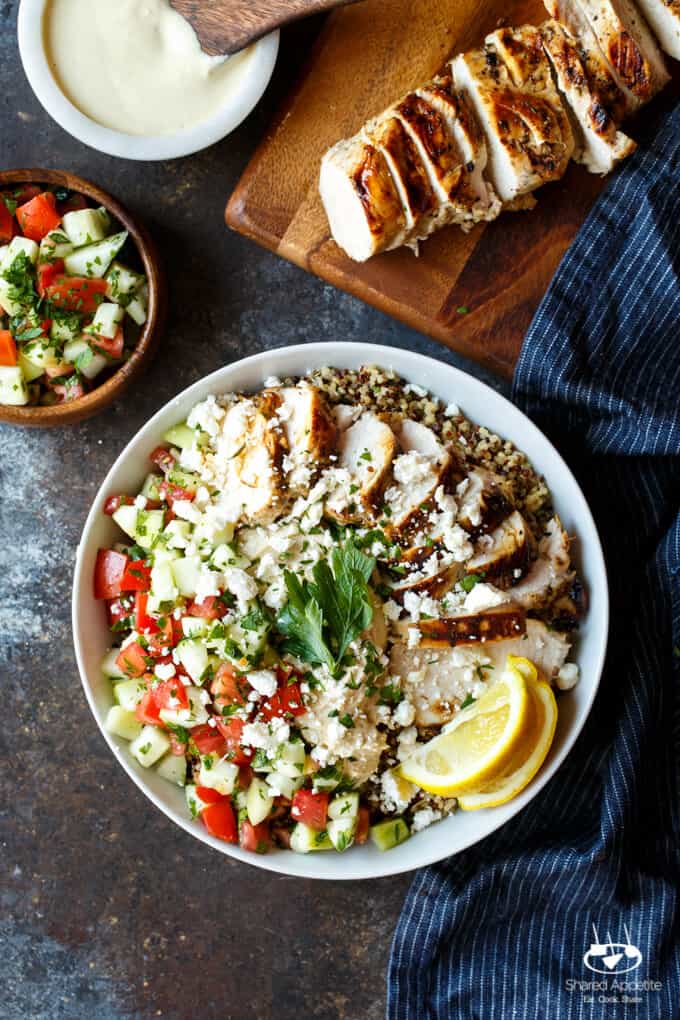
(501, 931)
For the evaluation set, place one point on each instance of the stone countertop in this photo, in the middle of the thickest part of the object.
(108, 909)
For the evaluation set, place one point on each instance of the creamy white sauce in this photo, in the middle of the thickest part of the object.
(136, 65)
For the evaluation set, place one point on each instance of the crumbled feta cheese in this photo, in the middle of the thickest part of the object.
(240, 584)
(424, 817)
(264, 682)
(207, 584)
(417, 391)
(414, 637)
(452, 411)
(396, 793)
(164, 671)
(391, 609)
(568, 676)
(140, 502)
(186, 510)
(404, 713)
(483, 596)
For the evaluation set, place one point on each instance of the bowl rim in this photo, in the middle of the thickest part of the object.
(308, 356)
(137, 147)
(104, 394)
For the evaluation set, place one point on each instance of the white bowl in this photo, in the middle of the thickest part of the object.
(116, 143)
(92, 638)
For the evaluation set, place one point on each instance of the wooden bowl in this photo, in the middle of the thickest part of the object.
(104, 394)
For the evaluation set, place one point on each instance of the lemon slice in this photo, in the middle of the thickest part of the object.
(528, 756)
(475, 748)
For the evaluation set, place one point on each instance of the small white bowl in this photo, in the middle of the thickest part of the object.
(481, 404)
(116, 143)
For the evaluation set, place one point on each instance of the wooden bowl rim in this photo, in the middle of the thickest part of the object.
(103, 395)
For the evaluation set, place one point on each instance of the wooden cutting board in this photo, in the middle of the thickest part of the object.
(475, 292)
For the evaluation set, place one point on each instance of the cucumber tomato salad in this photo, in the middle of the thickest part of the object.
(70, 309)
(330, 622)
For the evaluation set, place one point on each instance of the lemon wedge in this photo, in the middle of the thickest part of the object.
(528, 756)
(475, 748)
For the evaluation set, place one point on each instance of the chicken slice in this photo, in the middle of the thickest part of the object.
(484, 500)
(366, 452)
(600, 145)
(345, 415)
(494, 624)
(307, 421)
(249, 453)
(416, 474)
(528, 134)
(437, 681)
(664, 18)
(506, 553)
(361, 200)
(629, 46)
(551, 572)
(434, 584)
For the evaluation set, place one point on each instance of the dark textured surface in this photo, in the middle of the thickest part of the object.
(108, 910)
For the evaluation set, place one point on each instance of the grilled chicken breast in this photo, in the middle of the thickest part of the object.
(505, 554)
(664, 18)
(483, 501)
(366, 450)
(249, 464)
(528, 133)
(307, 421)
(599, 143)
(416, 474)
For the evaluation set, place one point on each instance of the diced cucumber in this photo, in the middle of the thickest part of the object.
(341, 832)
(137, 310)
(193, 655)
(64, 330)
(205, 534)
(149, 746)
(326, 779)
(283, 786)
(150, 488)
(174, 769)
(126, 519)
(194, 802)
(8, 303)
(390, 833)
(129, 693)
(304, 840)
(38, 352)
(162, 582)
(195, 626)
(95, 259)
(78, 352)
(345, 805)
(20, 246)
(290, 759)
(55, 245)
(83, 226)
(181, 436)
(122, 283)
(29, 368)
(184, 479)
(149, 525)
(109, 667)
(187, 572)
(217, 774)
(107, 320)
(258, 801)
(195, 715)
(251, 642)
(224, 556)
(13, 388)
(176, 533)
(122, 723)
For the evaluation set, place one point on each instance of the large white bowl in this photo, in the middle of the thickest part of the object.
(92, 638)
(116, 143)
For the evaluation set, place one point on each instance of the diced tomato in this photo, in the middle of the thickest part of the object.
(209, 796)
(177, 746)
(228, 688)
(174, 493)
(232, 731)
(68, 392)
(48, 272)
(210, 608)
(39, 216)
(170, 694)
(8, 348)
(255, 838)
(363, 825)
(77, 294)
(117, 611)
(6, 223)
(162, 458)
(162, 640)
(286, 701)
(148, 710)
(132, 660)
(143, 619)
(74, 203)
(46, 326)
(108, 573)
(220, 821)
(177, 631)
(310, 808)
(112, 348)
(137, 576)
(208, 740)
(114, 503)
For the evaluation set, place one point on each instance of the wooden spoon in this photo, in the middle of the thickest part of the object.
(227, 26)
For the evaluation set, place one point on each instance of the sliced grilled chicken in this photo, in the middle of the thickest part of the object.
(366, 452)
(506, 554)
(416, 474)
(484, 500)
(528, 134)
(435, 584)
(550, 574)
(664, 17)
(361, 200)
(436, 681)
(307, 421)
(628, 45)
(490, 625)
(345, 415)
(600, 145)
(250, 452)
